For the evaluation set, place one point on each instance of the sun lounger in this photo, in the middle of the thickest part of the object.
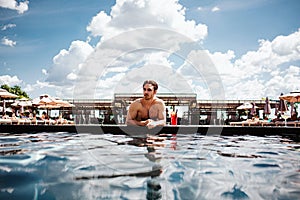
(235, 123)
(15, 121)
(24, 121)
(266, 123)
(245, 123)
(48, 121)
(289, 123)
(5, 121)
(37, 122)
(61, 121)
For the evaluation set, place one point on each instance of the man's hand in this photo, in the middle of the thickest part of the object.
(151, 124)
(145, 123)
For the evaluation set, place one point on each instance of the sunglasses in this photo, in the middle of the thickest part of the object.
(149, 90)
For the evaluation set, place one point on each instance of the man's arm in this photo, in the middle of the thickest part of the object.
(161, 115)
(132, 114)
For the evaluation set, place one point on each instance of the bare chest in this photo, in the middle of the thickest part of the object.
(147, 112)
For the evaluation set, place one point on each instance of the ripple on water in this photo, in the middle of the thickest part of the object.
(86, 166)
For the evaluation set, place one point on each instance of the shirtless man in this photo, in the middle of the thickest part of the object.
(147, 111)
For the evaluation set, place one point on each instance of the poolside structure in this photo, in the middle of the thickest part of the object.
(85, 111)
(196, 111)
(114, 110)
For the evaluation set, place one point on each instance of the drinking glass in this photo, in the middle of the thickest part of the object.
(285, 116)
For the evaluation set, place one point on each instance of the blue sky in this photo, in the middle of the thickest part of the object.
(56, 46)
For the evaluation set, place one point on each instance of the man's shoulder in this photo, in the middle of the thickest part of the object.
(137, 101)
(159, 101)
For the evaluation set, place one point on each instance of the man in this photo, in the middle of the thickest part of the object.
(147, 111)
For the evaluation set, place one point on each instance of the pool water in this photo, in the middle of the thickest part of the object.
(86, 166)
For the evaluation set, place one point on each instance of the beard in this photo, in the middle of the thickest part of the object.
(147, 97)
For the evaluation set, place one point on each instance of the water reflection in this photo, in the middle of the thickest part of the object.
(154, 143)
(85, 166)
(153, 183)
(236, 193)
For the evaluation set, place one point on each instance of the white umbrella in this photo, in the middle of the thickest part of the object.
(23, 102)
(4, 94)
(62, 103)
(246, 106)
(45, 102)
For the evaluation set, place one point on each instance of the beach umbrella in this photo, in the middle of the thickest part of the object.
(267, 107)
(4, 94)
(45, 102)
(282, 105)
(292, 97)
(63, 104)
(253, 109)
(246, 106)
(23, 102)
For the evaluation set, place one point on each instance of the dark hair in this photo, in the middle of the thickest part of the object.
(152, 82)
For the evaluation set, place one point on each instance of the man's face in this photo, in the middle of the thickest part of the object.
(149, 91)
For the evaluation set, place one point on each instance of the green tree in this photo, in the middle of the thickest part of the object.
(15, 90)
(6, 87)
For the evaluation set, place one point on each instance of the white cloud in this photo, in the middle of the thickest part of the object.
(128, 53)
(287, 45)
(30, 89)
(215, 9)
(72, 76)
(271, 54)
(21, 7)
(44, 71)
(115, 58)
(291, 78)
(10, 80)
(200, 69)
(7, 42)
(7, 26)
(261, 73)
(223, 61)
(99, 23)
(68, 62)
(133, 14)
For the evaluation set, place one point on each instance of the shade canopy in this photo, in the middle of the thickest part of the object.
(23, 102)
(292, 97)
(246, 106)
(5, 94)
(46, 101)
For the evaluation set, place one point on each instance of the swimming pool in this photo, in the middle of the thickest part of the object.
(88, 166)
